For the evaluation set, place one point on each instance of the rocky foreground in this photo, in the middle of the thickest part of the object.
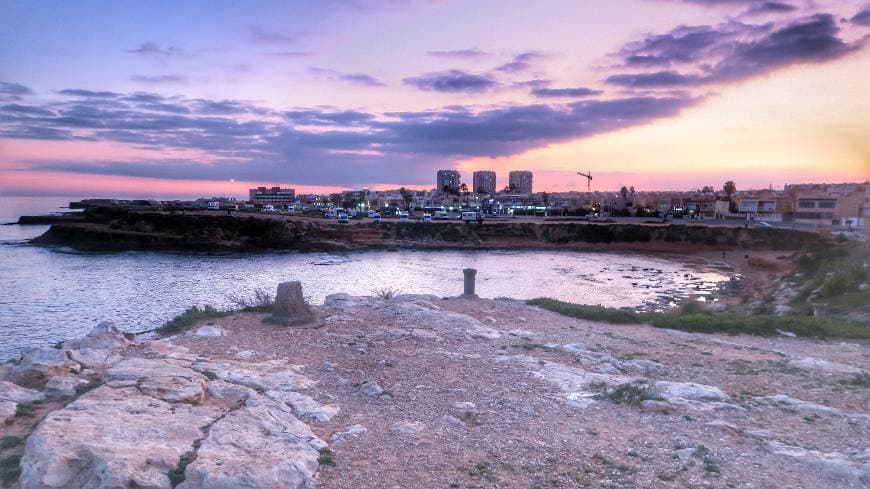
(419, 391)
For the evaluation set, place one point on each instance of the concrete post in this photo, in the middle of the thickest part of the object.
(469, 274)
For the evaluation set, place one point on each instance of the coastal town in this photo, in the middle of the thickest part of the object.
(843, 206)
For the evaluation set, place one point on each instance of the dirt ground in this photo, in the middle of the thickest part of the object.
(481, 410)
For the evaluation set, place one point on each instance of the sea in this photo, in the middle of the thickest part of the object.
(50, 294)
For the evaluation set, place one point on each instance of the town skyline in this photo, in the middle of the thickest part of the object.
(328, 96)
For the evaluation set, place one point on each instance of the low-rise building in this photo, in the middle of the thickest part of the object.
(275, 196)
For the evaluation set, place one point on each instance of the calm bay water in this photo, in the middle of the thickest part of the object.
(50, 294)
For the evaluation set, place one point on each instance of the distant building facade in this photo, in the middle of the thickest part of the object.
(484, 182)
(449, 179)
(520, 181)
(272, 195)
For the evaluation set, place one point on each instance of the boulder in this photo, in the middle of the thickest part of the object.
(17, 394)
(409, 427)
(39, 365)
(371, 388)
(209, 331)
(290, 307)
(104, 336)
(691, 395)
(63, 387)
(94, 359)
(166, 379)
(259, 446)
(111, 438)
(7, 411)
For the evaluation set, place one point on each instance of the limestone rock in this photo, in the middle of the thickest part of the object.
(93, 358)
(371, 389)
(104, 336)
(39, 365)
(352, 432)
(63, 387)
(259, 446)
(409, 427)
(691, 395)
(111, 438)
(290, 307)
(652, 406)
(166, 379)
(17, 394)
(7, 410)
(836, 465)
(823, 366)
(305, 406)
(209, 331)
(266, 376)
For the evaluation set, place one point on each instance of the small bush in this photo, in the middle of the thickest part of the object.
(176, 475)
(262, 301)
(24, 410)
(325, 458)
(188, 318)
(633, 393)
(387, 294)
(10, 468)
(7, 442)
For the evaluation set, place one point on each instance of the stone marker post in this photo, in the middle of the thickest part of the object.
(290, 307)
(469, 274)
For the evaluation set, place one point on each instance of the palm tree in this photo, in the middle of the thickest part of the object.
(730, 188)
(464, 189)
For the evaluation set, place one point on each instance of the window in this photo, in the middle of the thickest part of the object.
(827, 204)
(807, 204)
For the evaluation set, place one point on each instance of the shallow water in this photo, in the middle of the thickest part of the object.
(52, 294)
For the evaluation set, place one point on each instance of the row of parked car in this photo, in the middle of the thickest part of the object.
(344, 216)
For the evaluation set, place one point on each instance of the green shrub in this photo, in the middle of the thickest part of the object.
(10, 468)
(710, 322)
(633, 393)
(188, 318)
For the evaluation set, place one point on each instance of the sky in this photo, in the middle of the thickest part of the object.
(196, 98)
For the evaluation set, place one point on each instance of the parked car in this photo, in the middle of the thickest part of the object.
(762, 224)
(591, 217)
(268, 208)
(342, 218)
(441, 215)
(468, 216)
(375, 216)
(403, 216)
(427, 218)
(372, 214)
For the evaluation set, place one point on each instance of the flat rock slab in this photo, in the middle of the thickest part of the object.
(305, 406)
(259, 446)
(104, 336)
(266, 376)
(166, 379)
(112, 438)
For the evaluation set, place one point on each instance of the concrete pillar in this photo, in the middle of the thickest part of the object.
(469, 274)
(290, 307)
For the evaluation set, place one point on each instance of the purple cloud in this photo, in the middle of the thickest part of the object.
(565, 92)
(471, 53)
(862, 17)
(452, 81)
(520, 62)
(731, 52)
(360, 79)
(157, 79)
(150, 48)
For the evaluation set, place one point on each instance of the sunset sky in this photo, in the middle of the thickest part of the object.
(184, 98)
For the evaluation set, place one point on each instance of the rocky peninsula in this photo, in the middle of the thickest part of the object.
(124, 228)
(423, 391)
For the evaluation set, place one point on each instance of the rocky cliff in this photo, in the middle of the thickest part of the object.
(121, 229)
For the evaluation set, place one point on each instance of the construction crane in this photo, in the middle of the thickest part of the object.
(588, 179)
